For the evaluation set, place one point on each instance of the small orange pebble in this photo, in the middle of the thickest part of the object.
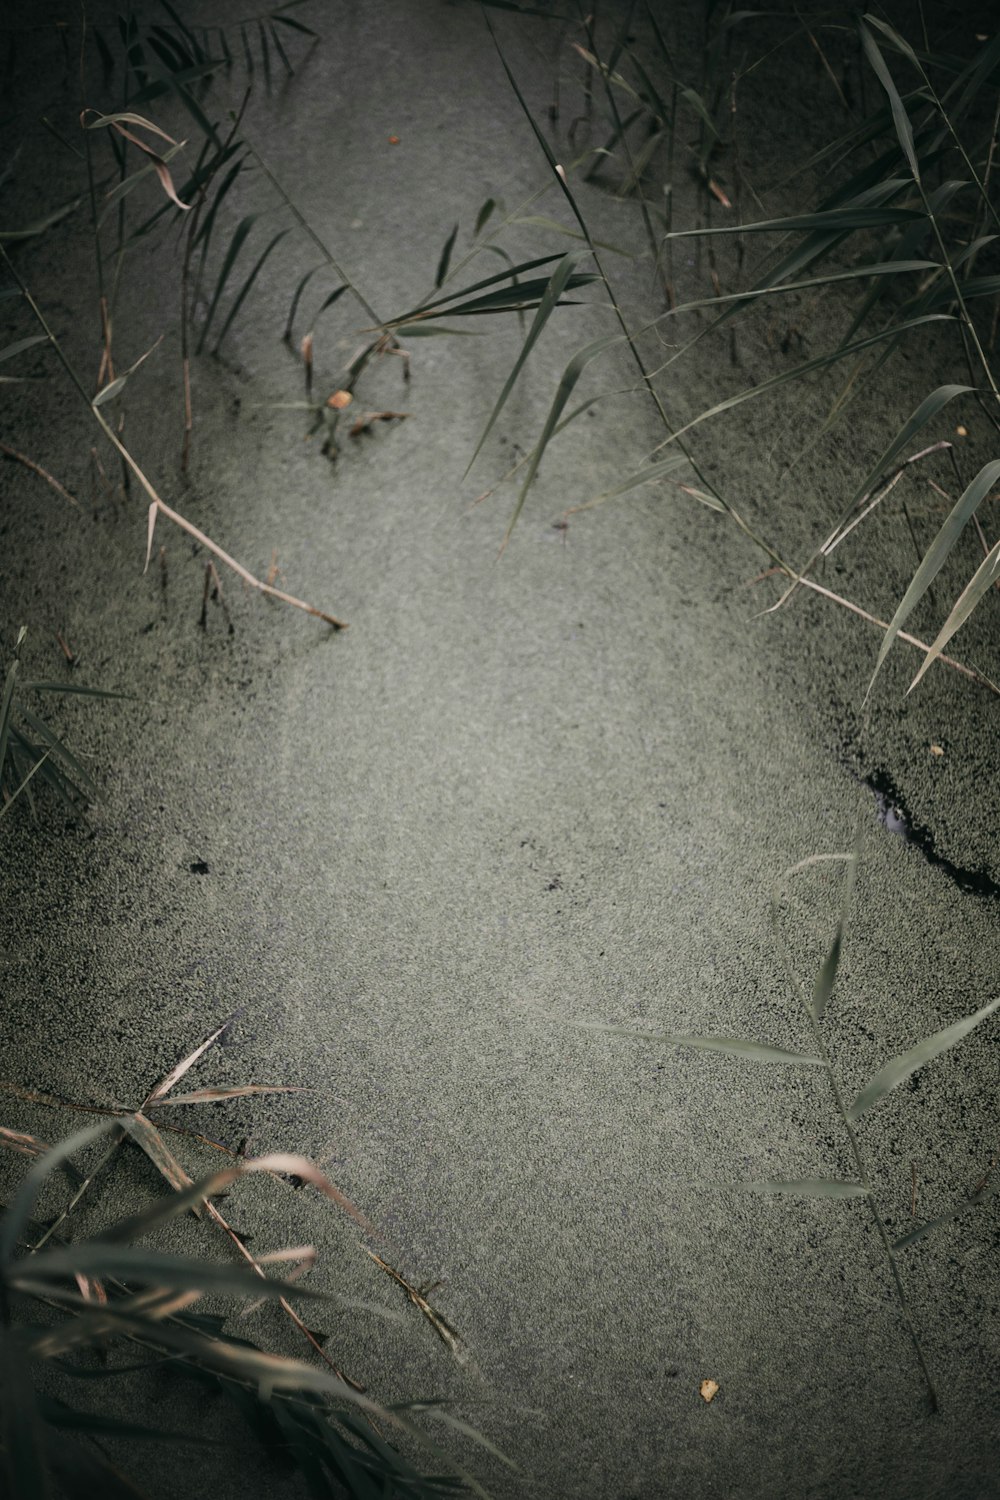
(962, 431)
(394, 140)
(708, 1390)
(339, 400)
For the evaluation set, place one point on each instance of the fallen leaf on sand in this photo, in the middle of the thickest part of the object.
(708, 1390)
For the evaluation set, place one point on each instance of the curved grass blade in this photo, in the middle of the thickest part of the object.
(819, 363)
(557, 284)
(901, 120)
(899, 1069)
(732, 1046)
(565, 389)
(805, 1187)
(980, 583)
(484, 215)
(937, 555)
(245, 288)
(295, 25)
(445, 260)
(296, 298)
(235, 246)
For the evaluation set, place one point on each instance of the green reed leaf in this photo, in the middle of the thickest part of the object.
(899, 1068)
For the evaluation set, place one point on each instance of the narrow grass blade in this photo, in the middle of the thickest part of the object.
(662, 470)
(62, 752)
(937, 555)
(445, 260)
(115, 387)
(980, 583)
(484, 215)
(294, 25)
(837, 220)
(15, 1220)
(279, 48)
(7, 702)
(827, 976)
(103, 1258)
(241, 295)
(265, 55)
(14, 349)
(914, 1236)
(554, 290)
(732, 1046)
(567, 384)
(901, 120)
(235, 246)
(328, 301)
(805, 1187)
(899, 1069)
(240, 1091)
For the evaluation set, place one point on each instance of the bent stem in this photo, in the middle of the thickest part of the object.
(157, 505)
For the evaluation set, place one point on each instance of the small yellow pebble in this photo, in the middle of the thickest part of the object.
(708, 1390)
(937, 750)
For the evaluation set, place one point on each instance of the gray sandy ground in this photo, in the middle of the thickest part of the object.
(559, 787)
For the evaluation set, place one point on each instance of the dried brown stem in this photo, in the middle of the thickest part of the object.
(29, 463)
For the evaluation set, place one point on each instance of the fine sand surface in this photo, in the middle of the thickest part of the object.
(556, 787)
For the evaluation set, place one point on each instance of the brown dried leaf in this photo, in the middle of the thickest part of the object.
(146, 1135)
(216, 1096)
(177, 1072)
(16, 1140)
